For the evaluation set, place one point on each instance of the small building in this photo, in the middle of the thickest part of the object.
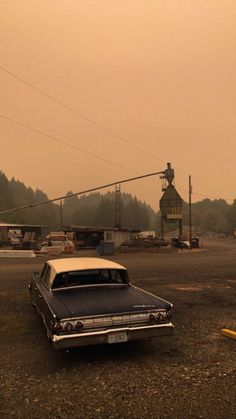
(8, 230)
(3, 232)
(116, 236)
(84, 237)
(91, 237)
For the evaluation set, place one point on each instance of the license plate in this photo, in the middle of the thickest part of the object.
(117, 337)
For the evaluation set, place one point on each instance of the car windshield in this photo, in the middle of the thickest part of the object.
(91, 277)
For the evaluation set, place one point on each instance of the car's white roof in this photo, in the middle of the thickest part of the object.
(74, 264)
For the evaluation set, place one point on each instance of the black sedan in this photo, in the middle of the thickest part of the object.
(90, 301)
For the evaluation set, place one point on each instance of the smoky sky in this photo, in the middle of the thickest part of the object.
(158, 74)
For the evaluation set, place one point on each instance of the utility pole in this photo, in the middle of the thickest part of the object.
(61, 214)
(117, 207)
(190, 213)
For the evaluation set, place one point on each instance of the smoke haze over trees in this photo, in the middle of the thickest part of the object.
(98, 210)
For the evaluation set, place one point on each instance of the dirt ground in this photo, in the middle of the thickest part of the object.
(188, 375)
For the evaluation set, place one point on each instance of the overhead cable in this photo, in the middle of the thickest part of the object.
(81, 115)
(79, 193)
(88, 119)
(59, 140)
(216, 197)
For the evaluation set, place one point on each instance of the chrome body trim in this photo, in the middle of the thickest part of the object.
(153, 295)
(123, 313)
(101, 336)
(111, 285)
(35, 304)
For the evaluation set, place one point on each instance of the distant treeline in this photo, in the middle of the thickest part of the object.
(98, 210)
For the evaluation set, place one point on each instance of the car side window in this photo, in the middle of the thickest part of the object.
(119, 277)
(45, 275)
(44, 270)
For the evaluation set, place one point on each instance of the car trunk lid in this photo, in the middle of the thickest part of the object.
(104, 300)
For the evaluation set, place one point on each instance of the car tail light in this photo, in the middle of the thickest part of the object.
(79, 324)
(68, 327)
(160, 316)
(152, 317)
(58, 327)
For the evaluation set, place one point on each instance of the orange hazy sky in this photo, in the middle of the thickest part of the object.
(161, 74)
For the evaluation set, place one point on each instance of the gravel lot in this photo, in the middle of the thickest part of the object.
(189, 375)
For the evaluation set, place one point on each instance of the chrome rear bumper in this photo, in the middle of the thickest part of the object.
(102, 337)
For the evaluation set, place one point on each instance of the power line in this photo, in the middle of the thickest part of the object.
(86, 118)
(80, 193)
(216, 196)
(213, 197)
(59, 140)
(81, 115)
(203, 185)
